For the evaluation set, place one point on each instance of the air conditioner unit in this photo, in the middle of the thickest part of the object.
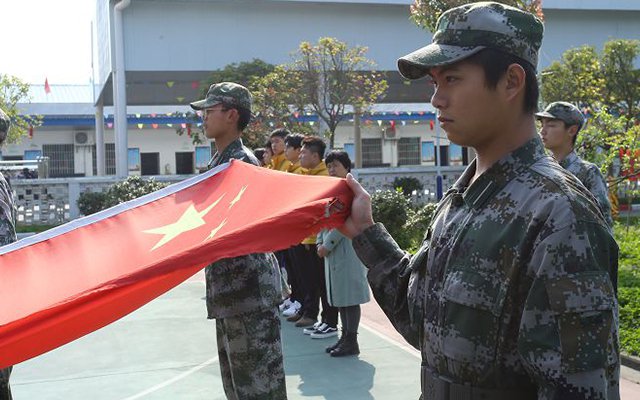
(82, 139)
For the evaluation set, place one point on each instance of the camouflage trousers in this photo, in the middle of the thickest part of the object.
(5, 389)
(250, 354)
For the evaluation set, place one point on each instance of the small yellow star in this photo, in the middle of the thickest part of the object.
(190, 219)
(214, 231)
(237, 199)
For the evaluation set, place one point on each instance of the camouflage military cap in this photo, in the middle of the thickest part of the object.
(227, 93)
(563, 111)
(467, 29)
(5, 124)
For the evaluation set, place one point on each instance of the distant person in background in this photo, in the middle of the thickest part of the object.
(279, 161)
(259, 153)
(560, 124)
(292, 147)
(267, 156)
(7, 235)
(345, 275)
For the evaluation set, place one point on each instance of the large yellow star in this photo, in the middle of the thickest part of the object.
(190, 219)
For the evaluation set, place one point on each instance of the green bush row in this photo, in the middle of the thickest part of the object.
(128, 189)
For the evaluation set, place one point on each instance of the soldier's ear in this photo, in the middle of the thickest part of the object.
(515, 81)
(573, 130)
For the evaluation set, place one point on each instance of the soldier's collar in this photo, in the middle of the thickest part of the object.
(499, 174)
(569, 159)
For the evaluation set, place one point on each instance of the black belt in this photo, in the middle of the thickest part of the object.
(434, 388)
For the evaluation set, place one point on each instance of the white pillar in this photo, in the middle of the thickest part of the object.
(120, 93)
(100, 158)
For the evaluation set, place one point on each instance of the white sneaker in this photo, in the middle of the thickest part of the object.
(285, 304)
(318, 326)
(328, 331)
(292, 309)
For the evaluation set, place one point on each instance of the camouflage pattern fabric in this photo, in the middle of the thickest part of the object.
(514, 285)
(566, 112)
(7, 235)
(227, 93)
(591, 177)
(465, 30)
(247, 283)
(243, 294)
(5, 124)
(250, 353)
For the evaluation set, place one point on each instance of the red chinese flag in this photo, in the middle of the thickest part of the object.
(47, 88)
(71, 280)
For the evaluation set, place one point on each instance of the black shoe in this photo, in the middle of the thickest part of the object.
(336, 344)
(348, 347)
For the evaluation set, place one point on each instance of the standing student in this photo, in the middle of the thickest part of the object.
(279, 161)
(243, 292)
(345, 275)
(560, 124)
(512, 294)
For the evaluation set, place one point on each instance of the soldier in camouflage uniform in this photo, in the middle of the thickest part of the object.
(561, 123)
(7, 235)
(512, 293)
(243, 292)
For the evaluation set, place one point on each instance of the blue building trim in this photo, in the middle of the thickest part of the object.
(89, 120)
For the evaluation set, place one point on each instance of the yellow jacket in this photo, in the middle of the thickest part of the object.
(280, 163)
(296, 168)
(320, 170)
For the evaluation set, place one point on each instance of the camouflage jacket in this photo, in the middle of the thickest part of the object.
(241, 284)
(591, 177)
(7, 213)
(512, 287)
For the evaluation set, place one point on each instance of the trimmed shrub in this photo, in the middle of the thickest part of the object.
(128, 189)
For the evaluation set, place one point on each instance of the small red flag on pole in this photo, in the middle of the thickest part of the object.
(47, 88)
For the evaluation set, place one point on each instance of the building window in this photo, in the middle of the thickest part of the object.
(428, 153)
(184, 163)
(455, 154)
(371, 152)
(150, 163)
(409, 151)
(109, 159)
(203, 155)
(61, 163)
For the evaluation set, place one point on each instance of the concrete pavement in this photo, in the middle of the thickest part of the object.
(166, 350)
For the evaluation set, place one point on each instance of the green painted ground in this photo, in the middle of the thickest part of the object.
(166, 350)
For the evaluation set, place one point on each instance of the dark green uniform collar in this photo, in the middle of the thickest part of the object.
(499, 174)
(569, 159)
(219, 158)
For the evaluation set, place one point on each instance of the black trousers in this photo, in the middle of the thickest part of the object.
(311, 268)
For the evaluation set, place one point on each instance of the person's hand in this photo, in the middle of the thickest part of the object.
(322, 251)
(361, 217)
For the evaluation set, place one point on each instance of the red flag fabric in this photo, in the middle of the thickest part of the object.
(71, 280)
(47, 88)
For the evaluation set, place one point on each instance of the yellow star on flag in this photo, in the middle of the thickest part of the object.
(214, 231)
(238, 197)
(189, 220)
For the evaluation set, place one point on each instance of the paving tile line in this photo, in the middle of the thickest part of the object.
(172, 380)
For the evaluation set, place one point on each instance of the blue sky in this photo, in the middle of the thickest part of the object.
(47, 39)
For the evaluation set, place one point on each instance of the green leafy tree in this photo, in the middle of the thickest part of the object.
(14, 91)
(578, 78)
(622, 79)
(425, 13)
(245, 73)
(322, 79)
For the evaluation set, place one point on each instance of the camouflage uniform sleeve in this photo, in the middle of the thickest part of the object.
(389, 275)
(7, 215)
(568, 332)
(597, 185)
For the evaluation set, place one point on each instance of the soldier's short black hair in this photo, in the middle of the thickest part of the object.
(340, 156)
(280, 132)
(315, 145)
(294, 140)
(495, 63)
